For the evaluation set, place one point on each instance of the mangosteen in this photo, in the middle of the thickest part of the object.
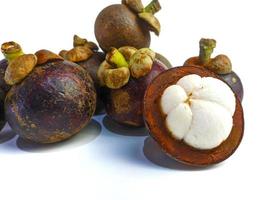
(125, 75)
(127, 24)
(4, 87)
(3, 90)
(87, 55)
(50, 100)
(194, 116)
(221, 65)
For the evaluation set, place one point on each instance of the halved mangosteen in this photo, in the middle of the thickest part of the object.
(50, 100)
(193, 115)
(125, 75)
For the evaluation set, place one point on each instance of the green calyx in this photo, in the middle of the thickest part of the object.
(115, 58)
(124, 62)
(11, 50)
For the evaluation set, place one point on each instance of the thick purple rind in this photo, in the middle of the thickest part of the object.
(52, 104)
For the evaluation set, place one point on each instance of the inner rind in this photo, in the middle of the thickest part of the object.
(185, 126)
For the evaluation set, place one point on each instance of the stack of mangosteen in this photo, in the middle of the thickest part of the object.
(193, 112)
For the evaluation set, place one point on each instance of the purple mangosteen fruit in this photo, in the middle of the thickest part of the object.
(4, 87)
(50, 100)
(125, 75)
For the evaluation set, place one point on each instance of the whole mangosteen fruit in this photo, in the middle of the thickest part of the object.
(50, 100)
(125, 75)
(127, 24)
(87, 55)
(221, 65)
(3, 90)
(4, 87)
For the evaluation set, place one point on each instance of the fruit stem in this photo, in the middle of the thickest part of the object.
(206, 49)
(114, 57)
(153, 7)
(11, 50)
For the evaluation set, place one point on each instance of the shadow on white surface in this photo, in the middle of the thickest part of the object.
(119, 129)
(87, 135)
(6, 134)
(154, 154)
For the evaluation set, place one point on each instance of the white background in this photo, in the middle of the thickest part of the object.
(102, 164)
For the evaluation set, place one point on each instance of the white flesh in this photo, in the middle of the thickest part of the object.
(199, 111)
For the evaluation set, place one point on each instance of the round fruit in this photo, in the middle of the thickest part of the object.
(126, 24)
(7, 49)
(124, 92)
(3, 89)
(53, 102)
(193, 115)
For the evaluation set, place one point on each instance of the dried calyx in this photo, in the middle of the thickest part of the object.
(44, 56)
(81, 51)
(19, 64)
(121, 63)
(141, 62)
(146, 13)
(221, 64)
(78, 41)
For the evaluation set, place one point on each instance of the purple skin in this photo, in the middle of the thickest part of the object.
(4, 88)
(91, 65)
(54, 102)
(235, 83)
(125, 105)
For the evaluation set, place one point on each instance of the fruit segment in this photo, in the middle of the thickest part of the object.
(211, 125)
(172, 97)
(216, 91)
(183, 115)
(190, 83)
